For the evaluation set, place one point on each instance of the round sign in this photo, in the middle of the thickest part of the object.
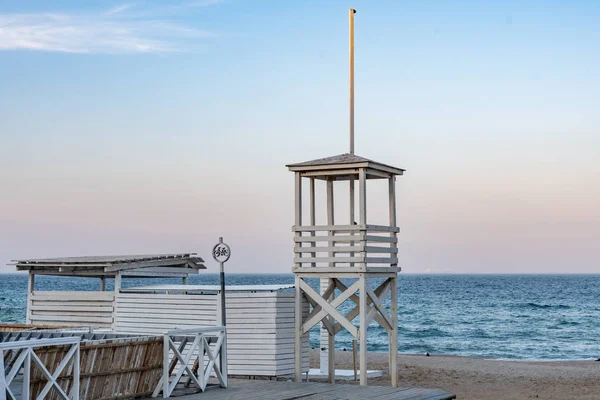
(221, 252)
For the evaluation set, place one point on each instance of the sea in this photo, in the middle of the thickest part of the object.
(513, 317)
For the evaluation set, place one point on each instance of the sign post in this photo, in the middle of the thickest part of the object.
(221, 253)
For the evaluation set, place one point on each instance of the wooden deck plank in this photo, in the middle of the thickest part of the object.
(242, 389)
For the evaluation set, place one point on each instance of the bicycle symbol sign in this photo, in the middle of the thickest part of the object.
(221, 252)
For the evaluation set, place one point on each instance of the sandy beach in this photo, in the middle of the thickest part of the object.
(473, 378)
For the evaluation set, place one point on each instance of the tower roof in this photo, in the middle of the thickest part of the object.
(344, 161)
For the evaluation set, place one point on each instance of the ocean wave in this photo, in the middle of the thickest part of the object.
(425, 333)
(543, 306)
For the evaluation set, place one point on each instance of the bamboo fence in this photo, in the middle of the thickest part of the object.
(109, 369)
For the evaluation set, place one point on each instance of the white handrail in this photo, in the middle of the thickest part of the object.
(33, 343)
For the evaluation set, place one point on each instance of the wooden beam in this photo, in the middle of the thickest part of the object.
(377, 303)
(382, 228)
(329, 308)
(377, 173)
(344, 249)
(298, 326)
(352, 220)
(30, 290)
(145, 264)
(362, 198)
(362, 305)
(394, 333)
(312, 212)
(392, 210)
(337, 228)
(330, 214)
(346, 238)
(298, 208)
(329, 260)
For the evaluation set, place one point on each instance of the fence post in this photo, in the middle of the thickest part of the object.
(76, 373)
(2, 377)
(166, 366)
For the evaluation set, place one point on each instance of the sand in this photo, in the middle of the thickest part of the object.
(474, 378)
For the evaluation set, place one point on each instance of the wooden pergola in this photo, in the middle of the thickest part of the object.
(141, 266)
(161, 265)
(356, 251)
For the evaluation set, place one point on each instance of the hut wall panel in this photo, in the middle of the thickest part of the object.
(260, 326)
(93, 309)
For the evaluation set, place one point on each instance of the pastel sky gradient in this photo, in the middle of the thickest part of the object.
(151, 127)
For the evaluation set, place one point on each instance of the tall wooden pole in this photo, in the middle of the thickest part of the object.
(351, 16)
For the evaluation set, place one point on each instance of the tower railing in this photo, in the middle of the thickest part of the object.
(355, 246)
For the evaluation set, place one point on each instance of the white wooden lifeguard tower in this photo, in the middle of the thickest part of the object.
(355, 250)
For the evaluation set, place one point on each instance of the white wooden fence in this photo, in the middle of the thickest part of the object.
(93, 309)
(27, 357)
(150, 313)
(195, 352)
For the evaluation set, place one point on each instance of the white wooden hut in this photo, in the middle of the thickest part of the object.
(260, 321)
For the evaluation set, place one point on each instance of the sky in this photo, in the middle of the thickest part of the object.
(156, 127)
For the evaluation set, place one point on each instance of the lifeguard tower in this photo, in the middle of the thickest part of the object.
(352, 250)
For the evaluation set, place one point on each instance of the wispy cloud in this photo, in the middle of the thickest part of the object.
(124, 28)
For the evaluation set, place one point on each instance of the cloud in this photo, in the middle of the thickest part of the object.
(125, 28)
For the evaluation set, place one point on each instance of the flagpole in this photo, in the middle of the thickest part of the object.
(351, 17)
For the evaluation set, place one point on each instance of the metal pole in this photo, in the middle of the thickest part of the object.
(351, 16)
(222, 273)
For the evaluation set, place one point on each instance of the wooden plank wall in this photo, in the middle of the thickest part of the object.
(150, 313)
(260, 329)
(71, 308)
(260, 326)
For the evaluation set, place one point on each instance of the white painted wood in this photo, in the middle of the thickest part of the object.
(206, 288)
(363, 329)
(352, 220)
(344, 249)
(330, 215)
(350, 167)
(323, 228)
(362, 198)
(323, 332)
(346, 238)
(298, 207)
(30, 290)
(394, 334)
(72, 296)
(331, 340)
(27, 357)
(260, 325)
(381, 228)
(93, 309)
(328, 308)
(329, 260)
(312, 213)
(298, 329)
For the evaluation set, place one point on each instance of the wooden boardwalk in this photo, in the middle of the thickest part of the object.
(240, 389)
